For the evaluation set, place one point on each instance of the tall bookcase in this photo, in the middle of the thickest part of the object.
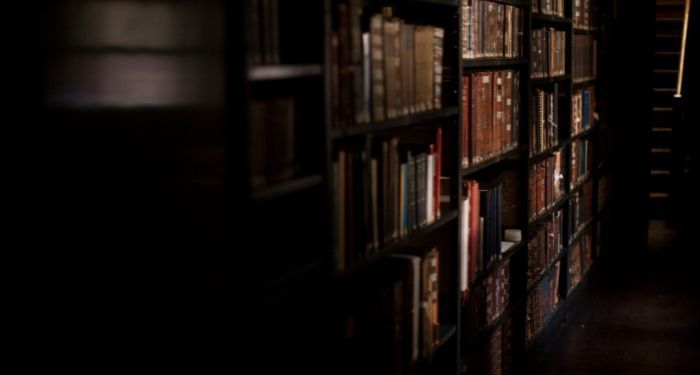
(334, 284)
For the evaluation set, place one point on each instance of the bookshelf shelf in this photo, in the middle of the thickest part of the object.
(485, 331)
(493, 63)
(546, 213)
(508, 155)
(580, 31)
(421, 118)
(548, 153)
(493, 266)
(520, 3)
(289, 187)
(550, 80)
(541, 275)
(580, 83)
(583, 228)
(283, 72)
(366, 264)
(544, 18)
(579, 185)
(582, 133)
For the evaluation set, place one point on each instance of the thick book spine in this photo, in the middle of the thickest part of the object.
(466, 123)
(377, 67)
(392, 70)
(437, 67)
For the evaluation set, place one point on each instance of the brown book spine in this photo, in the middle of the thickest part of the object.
(466, 123)
(377, 66)
(356, 68)
(487, 114)
(474, 117)
(392, 67)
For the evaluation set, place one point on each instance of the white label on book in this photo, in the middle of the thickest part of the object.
(509, 102)
(499, 115)
(485, 79)
(499, 81)
(499, 98)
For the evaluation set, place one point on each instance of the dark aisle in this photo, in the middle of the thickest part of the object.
(633, 318)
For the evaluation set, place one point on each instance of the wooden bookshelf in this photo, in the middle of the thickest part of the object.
(494, 161)
(458, 345)
(553, 20)
(416, 119)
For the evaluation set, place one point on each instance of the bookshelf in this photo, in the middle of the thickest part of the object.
(350, 237)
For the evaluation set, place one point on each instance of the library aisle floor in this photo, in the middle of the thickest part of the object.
(641, 318)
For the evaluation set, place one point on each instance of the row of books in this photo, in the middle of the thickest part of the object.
(548, 52)
(391, 70)
(545, 184)
(585, 14)
(391, 322)
(549, 7)
(496, 289)
(490, 299)
(544, 128)
(580, 259)
(384, 189)
(542, 301)
(545, 245)
(490, 106)
(487, 209)
(584, 59)
(263, 33)
(582, 109)
(581, 207)
(581, 161)
(273, 149)
(497, 356)
(421, 267)
(491, 29)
